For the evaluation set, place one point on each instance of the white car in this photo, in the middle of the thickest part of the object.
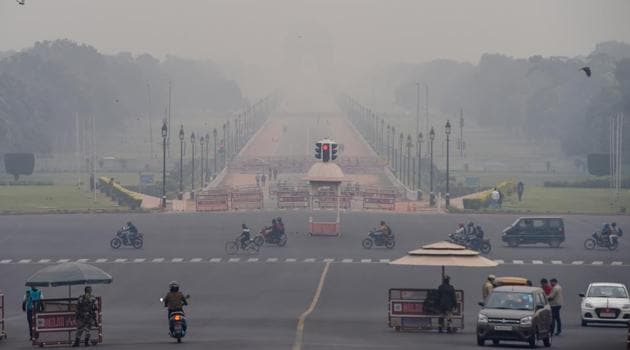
(605, 303)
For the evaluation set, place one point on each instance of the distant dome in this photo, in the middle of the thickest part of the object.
(321, 171)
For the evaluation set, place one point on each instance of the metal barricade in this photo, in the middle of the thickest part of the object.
(293, 199)
(417, 309)
(324, 228)
(247, 198)
(54, 322)
(3, 329)
(213, 200)
(328, 200)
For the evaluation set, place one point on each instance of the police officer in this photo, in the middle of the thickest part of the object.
(448, 301)
(85, 316)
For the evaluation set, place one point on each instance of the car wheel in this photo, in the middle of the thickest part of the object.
(584, 323)
(495, 341)
(481, 341)
(512, 243)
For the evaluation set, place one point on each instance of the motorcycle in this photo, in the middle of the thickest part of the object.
(474, 242)
(377, 239)
(597, 240)
(177, 325)
(265, 236)
(122, 239)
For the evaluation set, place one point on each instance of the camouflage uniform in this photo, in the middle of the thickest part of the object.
(85, 316)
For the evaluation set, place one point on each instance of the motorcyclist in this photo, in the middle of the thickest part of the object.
(471, 231)
(384, 230)
(280, 225)
(271, 230)
(130, 231)
(615, 232)
(605, 232)
(174, 301)
(245, 236)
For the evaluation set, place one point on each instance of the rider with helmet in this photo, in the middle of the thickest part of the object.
(174, 301)
(245, 236)
(606, 232)
(615, 232)
(130, 231)
(384, 230)
(280, 227)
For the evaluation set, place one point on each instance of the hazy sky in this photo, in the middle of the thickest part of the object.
(362, 31)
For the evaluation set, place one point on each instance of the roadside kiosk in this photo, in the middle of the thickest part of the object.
(325, 175)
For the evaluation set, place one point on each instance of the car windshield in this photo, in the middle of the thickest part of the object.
(607, 292)
(510, 300)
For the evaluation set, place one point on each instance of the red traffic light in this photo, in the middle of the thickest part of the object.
(325, 147)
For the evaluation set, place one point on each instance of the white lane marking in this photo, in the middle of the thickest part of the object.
(177, 260)
(577, 262)
(215, 260)
(347, 260)
(616, 263)
(385, 261)
(120, 260)
(196, 260)
(598, 263)
(101, 260)
(366, 260)
(157, 260)
(327, 260)
(518, 262)
(5, 261)
(299, 333)
(556, 262)
(61, 261)
(44, 261)
(252, 260)
(309, 260)
(139, 260)
(499, 261)
(83, 260)
(272, 259)
(234, 260)
(537, 262)
(24, 261)
(290, 260)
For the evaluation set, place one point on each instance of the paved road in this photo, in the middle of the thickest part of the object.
(255, 302)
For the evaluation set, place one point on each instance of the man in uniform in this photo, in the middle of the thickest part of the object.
(448, 301)
(85, 316)
(488, 286)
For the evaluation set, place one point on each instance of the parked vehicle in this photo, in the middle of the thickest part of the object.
(377, 239)
(605, 303)
(122, 239)
(515, 313)
(597, 240)
(532, 230)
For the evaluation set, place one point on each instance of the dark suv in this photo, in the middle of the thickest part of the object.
(532, 230)
(515, 313)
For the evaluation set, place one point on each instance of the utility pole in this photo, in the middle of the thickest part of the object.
(150, 126)
(168, 137)
(461, 132)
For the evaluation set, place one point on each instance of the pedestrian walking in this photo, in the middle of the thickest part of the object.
(263, 179)
(546, 287)
(555, 301)
(257, 180)
(31, 298)
(520, 188)
(85, 316)
(270, 173)
(448, 301)
(500, 202)
(275, 174)
(487, 288)
(494, 198)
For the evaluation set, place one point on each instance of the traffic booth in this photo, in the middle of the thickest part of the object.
(3, 329)
(412, 309)
(213, 200)
(249, 197)
(325, 175)
(54, 322)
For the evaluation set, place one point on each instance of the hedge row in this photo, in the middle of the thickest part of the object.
(26, 183)
(507, 188)
(590, 183)
(118, 193)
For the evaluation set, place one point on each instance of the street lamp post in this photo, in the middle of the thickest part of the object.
(224, 145)
(400, 160)
(447, 130)
(207, 168)
(214, 134)
(382, 142)
(181, 162)
(394, 162)
(228, 145)
(201, 148)
(420, 139)
(409, 145)
(431, 195)
(164, 135)
(192, 180)
(387, 148)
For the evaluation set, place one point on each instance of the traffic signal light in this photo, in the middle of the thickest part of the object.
(333, 154)
(318, 150)
(326, 152)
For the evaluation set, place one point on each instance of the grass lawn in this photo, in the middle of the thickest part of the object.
(568, 200)
(44, 198)
(71, 179)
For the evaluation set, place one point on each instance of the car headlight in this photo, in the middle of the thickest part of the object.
(482, 318)
(588, 305)
(626, 306)
(526, 321)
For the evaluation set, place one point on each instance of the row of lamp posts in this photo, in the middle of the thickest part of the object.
(384, 141)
